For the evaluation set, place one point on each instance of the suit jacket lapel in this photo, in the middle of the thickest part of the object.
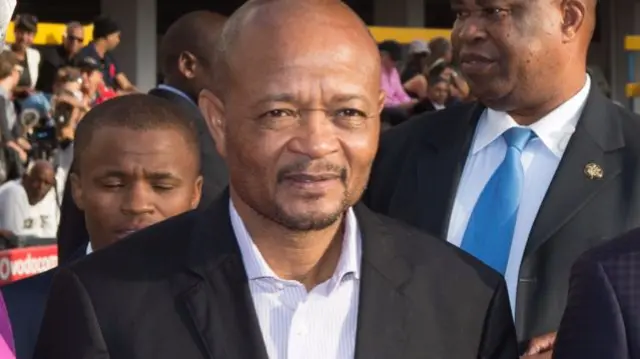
(382, 309)
(214, 292)
(437, 192)
(596, 141)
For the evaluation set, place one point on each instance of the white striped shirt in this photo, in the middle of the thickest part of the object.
(297, 324)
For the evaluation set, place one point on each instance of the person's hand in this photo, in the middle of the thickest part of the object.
(22, 154)
(23, 143)
(542, 345)
(67, 132)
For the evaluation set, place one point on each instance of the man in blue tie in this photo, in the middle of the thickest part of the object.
(540, 169)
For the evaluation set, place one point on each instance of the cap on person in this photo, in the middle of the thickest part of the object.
(26, 22)
(103, 27)
(392, 48)
(87, 64)
(418, 47)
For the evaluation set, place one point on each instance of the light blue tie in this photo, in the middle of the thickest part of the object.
(490, 229)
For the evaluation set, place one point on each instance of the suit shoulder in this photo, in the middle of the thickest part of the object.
(154, 248)
(620, 248)
(29, 289)
(416, 126)
(421, 249)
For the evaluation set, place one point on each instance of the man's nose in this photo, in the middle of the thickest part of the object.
(471, 29)
(137, 200)
(317, 135)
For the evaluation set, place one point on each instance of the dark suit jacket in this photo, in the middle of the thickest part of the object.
(26, 301)
(72, 231)
(179, 290)
(419, 164)
(603, 310)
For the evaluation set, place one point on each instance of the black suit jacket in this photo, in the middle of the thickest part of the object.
(72, 233)
(603, 309)
(419, 164)
(179, 290)
(26, 300)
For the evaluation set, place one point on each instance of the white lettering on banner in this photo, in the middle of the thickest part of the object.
(27, 266)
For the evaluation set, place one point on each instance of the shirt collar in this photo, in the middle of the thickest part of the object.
(554, 129)
(256, 267)
(176, 91)
(89, 248)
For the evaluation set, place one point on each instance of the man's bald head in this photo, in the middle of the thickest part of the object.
(38, 181)
(286, 22)
(40, 167)
(187, 49)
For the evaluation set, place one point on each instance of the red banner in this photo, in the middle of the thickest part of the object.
(20, 263)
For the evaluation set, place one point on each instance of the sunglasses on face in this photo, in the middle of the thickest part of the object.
(75, 39)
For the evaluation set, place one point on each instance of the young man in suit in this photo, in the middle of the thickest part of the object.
(137, 163)
(286, 263)
(602, 314)
(185, 52)
(541, 169)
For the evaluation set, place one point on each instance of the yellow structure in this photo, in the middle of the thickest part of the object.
(405, 35)
(51, 33)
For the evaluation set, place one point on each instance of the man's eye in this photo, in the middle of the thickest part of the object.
(163, 187)
(280, 113)
(350, 112)
(494, 11)
(461, 14)
(113, 184)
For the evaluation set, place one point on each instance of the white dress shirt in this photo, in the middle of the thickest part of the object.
(297, 324)
(540, 159)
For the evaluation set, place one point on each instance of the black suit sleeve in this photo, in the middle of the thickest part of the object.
(499, 336)
(592, 325)
(70, 327)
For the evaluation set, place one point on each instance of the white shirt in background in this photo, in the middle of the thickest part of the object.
(18, 216)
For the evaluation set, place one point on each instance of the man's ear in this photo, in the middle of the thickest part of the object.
(574, 13)
(213, 111)
(197, 193)
(76, 190)
(187, 63)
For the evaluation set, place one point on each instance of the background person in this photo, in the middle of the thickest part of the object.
(28, 206)
(25, 29)
(151, 173)
(59, 56)
(106, 38)
(568, 158)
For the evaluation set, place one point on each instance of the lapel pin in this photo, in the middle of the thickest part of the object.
(593, 171)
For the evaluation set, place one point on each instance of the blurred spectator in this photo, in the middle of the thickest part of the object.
(29, 206)
(391, 54)
(25, 29)
(106, 37)
(397, 101)
(437, 96)
(93, 85)
(413, 81)
(10, 128)
(439, 64)
(59, 56)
